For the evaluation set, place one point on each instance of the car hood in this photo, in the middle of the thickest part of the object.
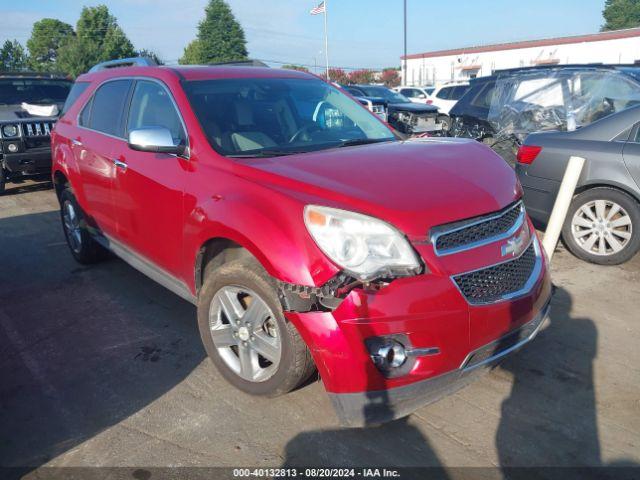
(412, 107)
(413, 185)
(17, 113)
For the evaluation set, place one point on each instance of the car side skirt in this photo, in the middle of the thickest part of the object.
(147, 267)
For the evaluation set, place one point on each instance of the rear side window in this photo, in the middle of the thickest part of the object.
(458, 92)
(151, 106)
(77, 90)
(444, 93)
(108, 106)
(484, 98)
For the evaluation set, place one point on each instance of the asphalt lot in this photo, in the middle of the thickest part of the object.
(101, 366)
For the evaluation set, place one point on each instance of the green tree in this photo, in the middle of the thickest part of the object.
(47, 36)
(620, 14)
(13, 56)
(98, 38)
(192, 54)
(77, 56)
(220, 37)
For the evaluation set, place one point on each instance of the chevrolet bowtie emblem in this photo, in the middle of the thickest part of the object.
(513, 246)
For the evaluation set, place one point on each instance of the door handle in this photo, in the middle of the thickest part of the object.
(120, 164)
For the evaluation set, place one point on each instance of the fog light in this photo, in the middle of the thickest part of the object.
(12, 147)
(389, 355)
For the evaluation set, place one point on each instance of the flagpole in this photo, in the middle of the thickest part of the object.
(326, 40)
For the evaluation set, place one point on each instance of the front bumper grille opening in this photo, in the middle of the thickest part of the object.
(458, 235)
(499, 281)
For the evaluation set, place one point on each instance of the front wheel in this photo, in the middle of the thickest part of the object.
(602, 226)
(245, 333)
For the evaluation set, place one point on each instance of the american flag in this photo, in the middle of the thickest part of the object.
(318, 10)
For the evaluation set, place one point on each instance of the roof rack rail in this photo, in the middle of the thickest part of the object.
(124, 62)
(240, 63)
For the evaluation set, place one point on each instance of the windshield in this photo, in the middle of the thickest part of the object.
(246, 117)
(14, 91)
(389, 95)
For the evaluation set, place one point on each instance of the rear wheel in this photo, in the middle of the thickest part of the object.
(82, 245)
(602, 226)
(3, 179)
(245, 332)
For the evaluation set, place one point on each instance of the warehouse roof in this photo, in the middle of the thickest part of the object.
(547, 42)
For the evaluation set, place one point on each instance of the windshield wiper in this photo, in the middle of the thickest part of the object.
(362, 141)
(267, 153)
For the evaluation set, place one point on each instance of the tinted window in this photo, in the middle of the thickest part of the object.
(108, 105)
(85, 116)
(409, 92)
(14, 91)
(458, 92)
(354, 91)
(444, 93)
(484, 97)
(151, 106)
(77, 90)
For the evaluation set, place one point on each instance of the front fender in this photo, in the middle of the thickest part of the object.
(269, 225)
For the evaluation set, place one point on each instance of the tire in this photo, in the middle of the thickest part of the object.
(3, 180)
(82, 245)
(445, 120)
(246, 283)
(613, 241)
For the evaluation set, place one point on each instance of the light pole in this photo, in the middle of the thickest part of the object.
(404, 65)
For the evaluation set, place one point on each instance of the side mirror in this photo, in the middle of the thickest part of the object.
(422, 96)
(154, 139)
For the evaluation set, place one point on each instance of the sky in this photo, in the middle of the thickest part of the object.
(362, 33)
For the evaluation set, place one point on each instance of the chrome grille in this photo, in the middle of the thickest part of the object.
(477, 231)
(499, 281)
(37, 129)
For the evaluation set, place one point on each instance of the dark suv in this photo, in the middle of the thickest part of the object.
(29, 106)
(502, 109)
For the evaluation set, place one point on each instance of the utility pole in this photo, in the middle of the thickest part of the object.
(404, 69)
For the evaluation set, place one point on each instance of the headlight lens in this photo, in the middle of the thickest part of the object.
(10, 130)
(364, 246)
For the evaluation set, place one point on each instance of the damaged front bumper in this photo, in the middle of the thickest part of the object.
(375, 407)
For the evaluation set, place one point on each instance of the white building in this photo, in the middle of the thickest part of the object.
(617, 46)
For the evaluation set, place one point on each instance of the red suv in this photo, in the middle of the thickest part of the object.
(308, 236)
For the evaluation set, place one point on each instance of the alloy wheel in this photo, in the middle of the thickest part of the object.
(72, 226)
(601, 227)
(245, 333)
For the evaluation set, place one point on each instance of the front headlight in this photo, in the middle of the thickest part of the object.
(10, 130)
(363, 246)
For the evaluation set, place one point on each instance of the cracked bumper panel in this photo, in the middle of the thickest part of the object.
(430, 312)
(375, 407)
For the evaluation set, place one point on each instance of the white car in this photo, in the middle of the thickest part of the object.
(445, 96)
(416, 94)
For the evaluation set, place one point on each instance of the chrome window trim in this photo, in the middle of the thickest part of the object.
(516, 226)
(135, 79)
(531, 281)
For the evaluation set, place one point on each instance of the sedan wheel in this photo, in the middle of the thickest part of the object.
(245, 333)
(602, 227)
